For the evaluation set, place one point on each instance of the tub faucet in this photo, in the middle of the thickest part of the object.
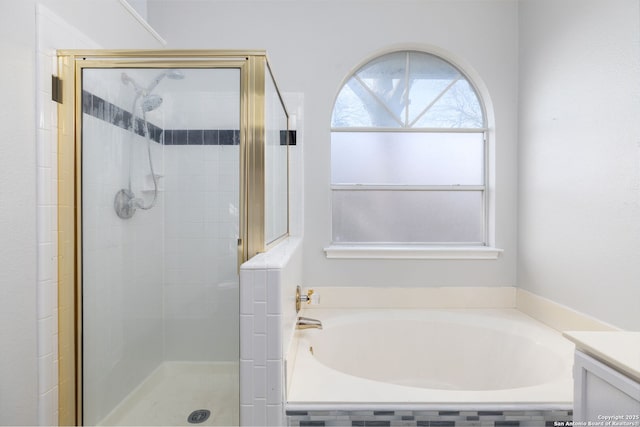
(307, 323)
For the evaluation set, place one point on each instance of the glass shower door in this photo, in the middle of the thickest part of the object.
(160, 226)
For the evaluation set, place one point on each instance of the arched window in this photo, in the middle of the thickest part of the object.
(408, 155)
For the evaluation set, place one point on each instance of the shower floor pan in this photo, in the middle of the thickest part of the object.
(175, 390)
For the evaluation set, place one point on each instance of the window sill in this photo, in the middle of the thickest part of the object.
(411, 252)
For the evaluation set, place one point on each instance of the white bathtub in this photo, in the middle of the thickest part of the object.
(429, 358)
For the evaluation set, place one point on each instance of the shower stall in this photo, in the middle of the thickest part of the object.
(173, 171)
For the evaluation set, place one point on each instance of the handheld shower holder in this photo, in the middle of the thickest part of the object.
(124, 203)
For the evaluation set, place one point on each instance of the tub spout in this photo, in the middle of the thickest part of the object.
(307, 323)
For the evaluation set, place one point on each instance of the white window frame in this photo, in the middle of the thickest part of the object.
(437, 250)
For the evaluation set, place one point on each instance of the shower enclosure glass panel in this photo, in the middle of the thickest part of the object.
(160, 226)
(276, 156)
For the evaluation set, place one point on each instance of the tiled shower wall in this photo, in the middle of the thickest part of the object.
(200, 270)
(52, 32)
(267, 313)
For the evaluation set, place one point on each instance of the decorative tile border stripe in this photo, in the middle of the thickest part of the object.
(511, 418)
(101, 109)
(201, 137)
(104, 110)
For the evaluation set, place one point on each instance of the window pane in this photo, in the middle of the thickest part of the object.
(422, 93)
(429, 77)
(424, 66)
(407, 158)
(357, 107)
(386, 78)
(407, 216)
(408, 89)
(457, 108)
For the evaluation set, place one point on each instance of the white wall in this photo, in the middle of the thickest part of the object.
(313, 46)
(18, 258)
(579, 230)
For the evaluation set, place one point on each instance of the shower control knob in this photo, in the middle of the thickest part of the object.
(300, 298)
(307, 298)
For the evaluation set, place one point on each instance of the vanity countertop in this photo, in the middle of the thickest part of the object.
(618, 349)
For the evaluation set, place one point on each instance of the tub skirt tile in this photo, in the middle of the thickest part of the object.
(297, 413)
(383, 418)
(426, 413)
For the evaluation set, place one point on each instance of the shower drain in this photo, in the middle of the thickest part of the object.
(199, 416)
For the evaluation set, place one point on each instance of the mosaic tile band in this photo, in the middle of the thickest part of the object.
(527, 418)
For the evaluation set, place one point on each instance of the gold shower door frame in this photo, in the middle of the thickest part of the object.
(253, 66)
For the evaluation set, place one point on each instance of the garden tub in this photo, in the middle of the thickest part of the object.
(445, 359)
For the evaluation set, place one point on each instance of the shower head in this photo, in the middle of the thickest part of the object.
(151, 102)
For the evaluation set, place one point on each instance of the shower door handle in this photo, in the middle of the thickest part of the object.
(240, 254)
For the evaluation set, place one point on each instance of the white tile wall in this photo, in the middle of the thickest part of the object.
(263, 280)
(201, 281)
(52, 32)
(122, 269)
(202, 221)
